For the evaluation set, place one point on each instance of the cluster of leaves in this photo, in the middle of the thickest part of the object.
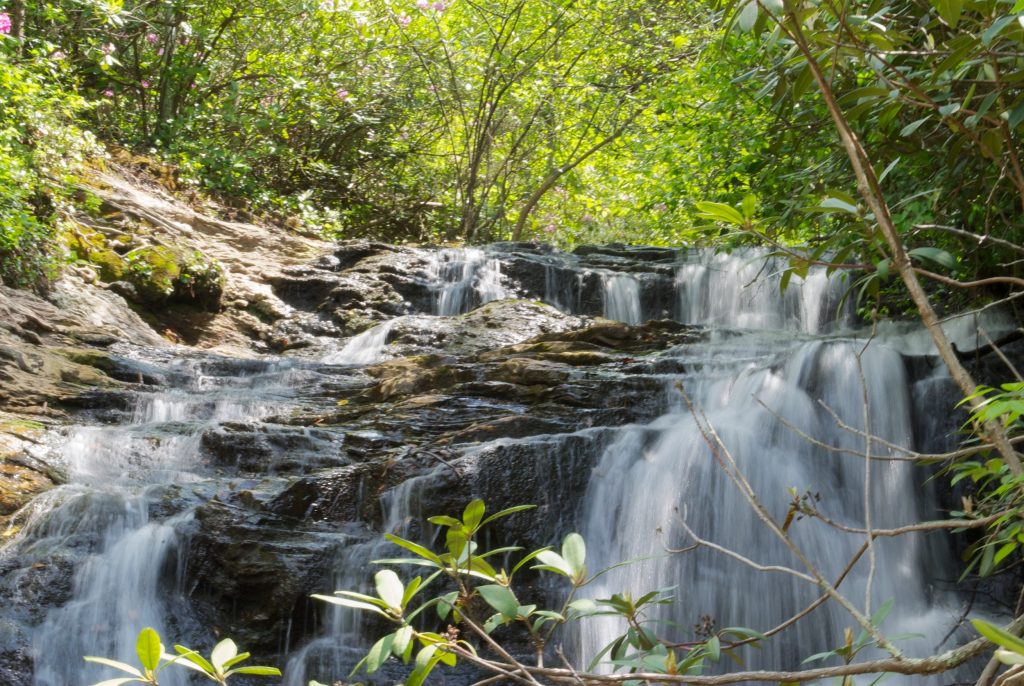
(221, 664)
(996, 490)
(40, 152)
(476, 585)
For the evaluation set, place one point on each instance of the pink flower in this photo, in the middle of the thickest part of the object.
(5, 23)
(144, 83)
(108, 48)
(423, 5)
(403, 20)
(159, 52)
(439, 6)
(59, 55)
(109, 93)
(341, 94)
(550, 228)
(152, 38)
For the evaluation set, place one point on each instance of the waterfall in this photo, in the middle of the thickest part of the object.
(366, 348)
(759, 392)
(116, 475)
(464, 278)
(743, 290)
(622, 298)
(780, 374)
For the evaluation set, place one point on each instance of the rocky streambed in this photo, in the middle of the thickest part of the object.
(358, 388)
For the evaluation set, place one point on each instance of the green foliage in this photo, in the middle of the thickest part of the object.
(153, 660)
(996, 490)
(1011, 651)
(481, 598)
(40, 152)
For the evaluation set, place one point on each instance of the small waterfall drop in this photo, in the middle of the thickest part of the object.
(365, 348)
(116, 475)
(465, 278)
(622, 298)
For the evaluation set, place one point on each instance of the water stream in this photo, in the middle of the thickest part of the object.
(784, 381)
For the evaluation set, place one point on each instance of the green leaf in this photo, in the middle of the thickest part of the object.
(553, 562)
(714, 647)
(444, 520)
(839, 204)
(936, 255)
(447, 604)
(574, 552)
(414, 548)
(402, 645)
(500, 598)
(390, 588)
(1015, 116)
(720, 211)
(527, 558)
(348, 602)
(473, 514)
(949, 10)
(506, 512)
(149, 649)
(999, 636)
(997, 27)
(236, 659)
(222, 652)
(258, 670)
(747, 16)
(379, 653)
(122, 666)
(195, 660)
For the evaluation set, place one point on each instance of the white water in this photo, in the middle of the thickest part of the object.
(743, 290)
(622, 298)
(757, 390)
(116, 474)
(366, 348)
(465, 278)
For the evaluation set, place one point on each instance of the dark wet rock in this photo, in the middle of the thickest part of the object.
(270, 448)
(252, 571)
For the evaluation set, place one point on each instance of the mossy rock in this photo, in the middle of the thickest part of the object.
(153, 271)
(110, 265)
(161, 274)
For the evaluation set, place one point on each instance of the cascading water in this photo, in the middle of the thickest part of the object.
(465, 278)
(116, 475)
(769, 376)
(622, 298)
(776, 403)
(366, 348)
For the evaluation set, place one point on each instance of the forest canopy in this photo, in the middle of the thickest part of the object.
(673, 123)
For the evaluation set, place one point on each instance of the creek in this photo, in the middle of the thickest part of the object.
(217, 496)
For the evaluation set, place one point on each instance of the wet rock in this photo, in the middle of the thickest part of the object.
(252, 571)
(271, 448)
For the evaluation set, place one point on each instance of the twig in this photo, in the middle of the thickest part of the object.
(745, 560)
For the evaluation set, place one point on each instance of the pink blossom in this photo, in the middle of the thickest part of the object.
(440, 6)
(109, 93)
(108, 48)
(152, 38)
(341, 94)
(423, 5)
(5, 23)
(403, 20)
(550, 228)
(144, 83)
(59, 55)
(159, 52)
